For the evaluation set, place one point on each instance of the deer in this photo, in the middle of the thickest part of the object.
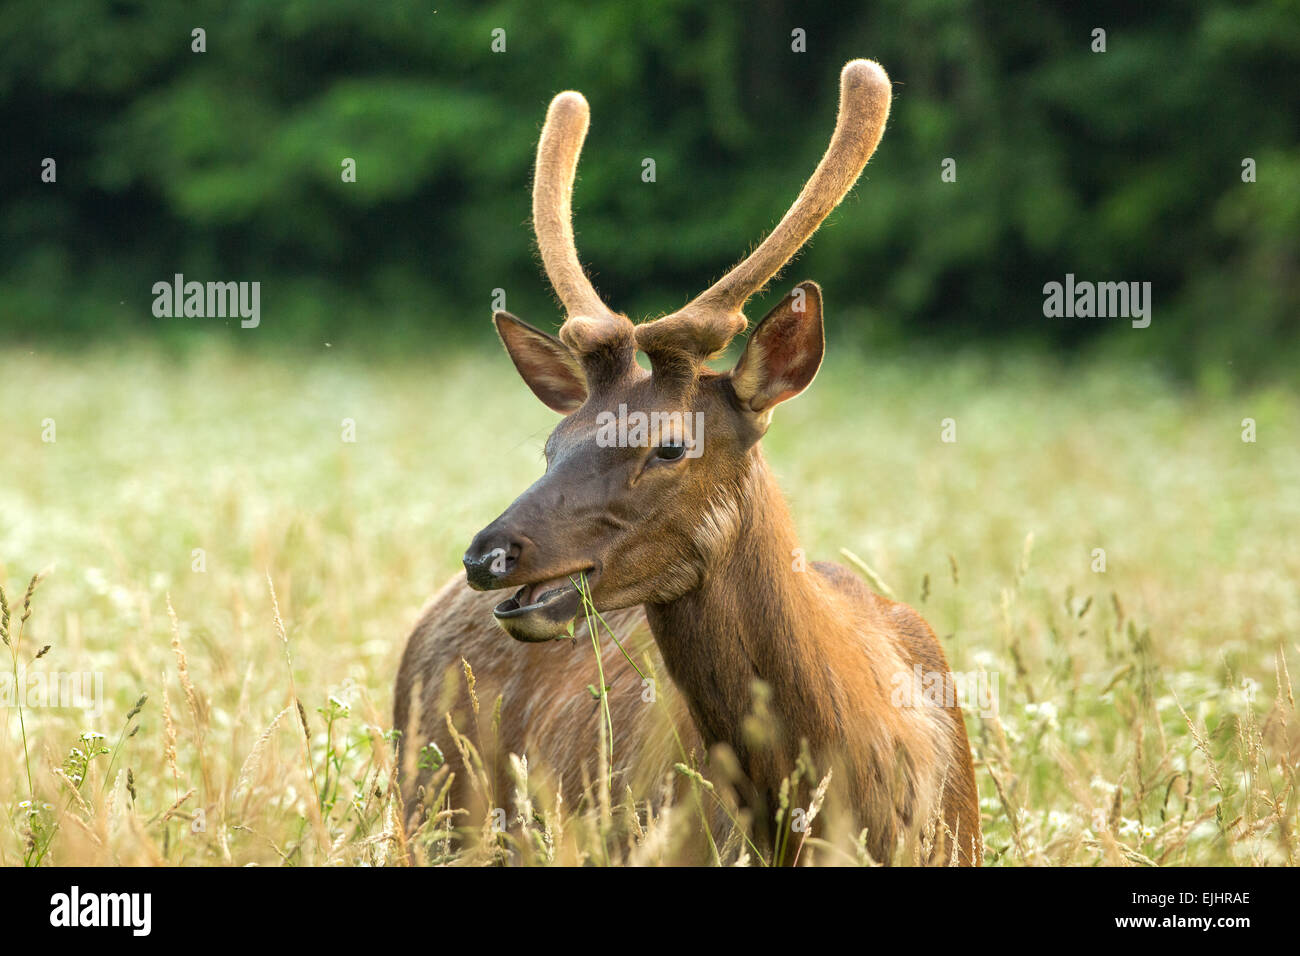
(681, 543)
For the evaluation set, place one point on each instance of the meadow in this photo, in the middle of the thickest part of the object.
(1099, 542)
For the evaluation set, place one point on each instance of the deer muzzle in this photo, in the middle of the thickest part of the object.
(545, 602)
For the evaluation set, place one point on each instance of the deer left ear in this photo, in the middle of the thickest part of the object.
(784, 353)
(544, 363)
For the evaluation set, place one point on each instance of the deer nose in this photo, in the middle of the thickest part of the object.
(492, 556)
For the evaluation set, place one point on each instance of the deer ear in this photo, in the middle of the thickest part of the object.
(544, 362)
(784, 353)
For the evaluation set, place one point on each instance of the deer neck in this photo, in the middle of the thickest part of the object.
(759, 614)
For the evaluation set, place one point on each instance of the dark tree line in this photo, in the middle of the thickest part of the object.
(228, 164)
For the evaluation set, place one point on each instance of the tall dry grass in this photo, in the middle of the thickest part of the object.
(243, 580)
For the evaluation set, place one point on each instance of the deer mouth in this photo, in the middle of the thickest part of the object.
(541, 611)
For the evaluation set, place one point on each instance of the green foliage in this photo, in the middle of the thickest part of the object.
(1123, 165)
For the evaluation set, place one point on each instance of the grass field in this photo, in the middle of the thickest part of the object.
(1144, 712)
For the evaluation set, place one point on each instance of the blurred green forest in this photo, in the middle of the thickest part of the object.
(226, 165)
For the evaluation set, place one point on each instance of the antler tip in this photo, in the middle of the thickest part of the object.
(570, 103)
(864, 72)
(865, 94)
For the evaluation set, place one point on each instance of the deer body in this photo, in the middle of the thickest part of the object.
(834, 655)
(690, 561)
(547, 712)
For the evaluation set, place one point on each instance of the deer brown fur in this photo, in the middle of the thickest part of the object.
(688, 559)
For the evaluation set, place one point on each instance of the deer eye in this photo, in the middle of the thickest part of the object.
(670, 452)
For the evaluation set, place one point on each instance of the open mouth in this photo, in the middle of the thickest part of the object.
(541, 611)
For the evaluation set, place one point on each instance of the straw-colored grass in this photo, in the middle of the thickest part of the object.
(244, 579)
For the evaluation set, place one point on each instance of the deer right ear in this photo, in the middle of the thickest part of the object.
(784, 353)
(544, 362)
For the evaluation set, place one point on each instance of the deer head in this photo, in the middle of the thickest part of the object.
(647, 475)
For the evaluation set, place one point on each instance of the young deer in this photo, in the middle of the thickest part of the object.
(689, 535)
